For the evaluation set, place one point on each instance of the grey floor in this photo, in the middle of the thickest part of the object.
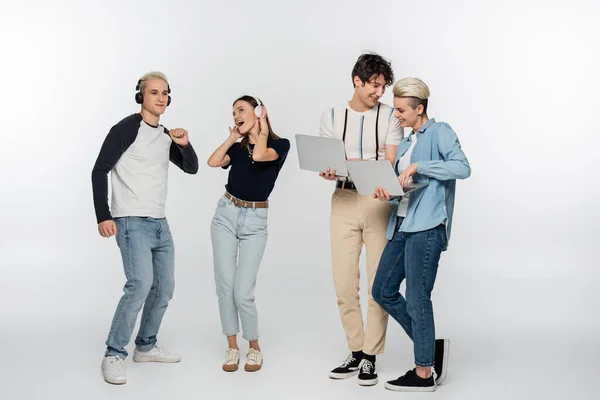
(511, 339)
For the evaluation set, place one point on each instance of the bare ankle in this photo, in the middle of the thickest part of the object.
(232, 342)
(423, 372)
(254, 345)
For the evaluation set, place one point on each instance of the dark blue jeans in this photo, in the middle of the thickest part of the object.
(414, 257)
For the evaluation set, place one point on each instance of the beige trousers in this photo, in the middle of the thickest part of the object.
(358, 220)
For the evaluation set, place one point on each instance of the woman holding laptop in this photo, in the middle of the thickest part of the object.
(239, 227)
(418, 231)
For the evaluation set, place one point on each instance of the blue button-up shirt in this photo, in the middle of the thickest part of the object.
(440, 161)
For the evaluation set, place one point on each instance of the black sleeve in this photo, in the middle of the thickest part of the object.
(118, 140)
(282, 147)
(184, 157)
(231, 153)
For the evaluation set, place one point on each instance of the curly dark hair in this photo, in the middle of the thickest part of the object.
(369, 64)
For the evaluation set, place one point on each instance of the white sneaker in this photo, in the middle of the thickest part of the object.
(253, 360)
(113, 368)
(232, 360)
(155, 354)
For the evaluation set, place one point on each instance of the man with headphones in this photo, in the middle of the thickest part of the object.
(369, 132)
(137, 152)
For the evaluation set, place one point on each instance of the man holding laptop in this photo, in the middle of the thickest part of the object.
(369, 132)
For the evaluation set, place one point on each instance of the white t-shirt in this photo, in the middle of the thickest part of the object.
(137, 155)
(404, 163)
(360, 138)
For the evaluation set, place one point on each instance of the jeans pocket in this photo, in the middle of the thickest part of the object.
(444, 237)
(222, 202)
(262, 213)
(122, 232)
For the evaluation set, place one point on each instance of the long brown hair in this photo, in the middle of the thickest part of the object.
(252, 101)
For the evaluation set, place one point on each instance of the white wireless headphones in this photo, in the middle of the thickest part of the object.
(257, 109)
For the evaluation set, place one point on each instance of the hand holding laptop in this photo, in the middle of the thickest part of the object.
(381, 194)
(377, 178)
(329, 174)
(403, 179)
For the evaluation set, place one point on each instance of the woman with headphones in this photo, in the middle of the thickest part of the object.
(239, 226)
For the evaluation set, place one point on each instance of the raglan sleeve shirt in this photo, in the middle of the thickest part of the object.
(118, 140)
(183, 157)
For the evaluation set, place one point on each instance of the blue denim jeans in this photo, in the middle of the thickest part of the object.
(239, 238)
(414, 257)
(148, 255)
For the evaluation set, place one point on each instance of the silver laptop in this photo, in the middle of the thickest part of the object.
(367, 175)
(317, 153)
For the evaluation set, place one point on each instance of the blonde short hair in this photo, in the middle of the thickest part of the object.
(151, 75)
(413, 88)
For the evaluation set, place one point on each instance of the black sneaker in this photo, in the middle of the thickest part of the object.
(367, 375)
(411, 382)
(348, 368)
(442, 348)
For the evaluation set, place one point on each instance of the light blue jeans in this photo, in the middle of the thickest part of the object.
(148, 255)
(239, 238)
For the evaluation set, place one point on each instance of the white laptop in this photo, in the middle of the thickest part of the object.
(317, 153)
(367, 175)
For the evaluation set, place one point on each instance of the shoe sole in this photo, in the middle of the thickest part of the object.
(137, 358)
(253, 367)
(409, 388)
(230, 367)
(442, 377)
(335, 375)
(370, 382)
(115, 382)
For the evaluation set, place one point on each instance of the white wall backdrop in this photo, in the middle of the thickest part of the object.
(517, 289)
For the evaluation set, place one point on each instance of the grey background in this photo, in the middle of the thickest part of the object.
(516, 291)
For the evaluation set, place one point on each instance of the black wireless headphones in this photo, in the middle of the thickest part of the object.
(139, 96)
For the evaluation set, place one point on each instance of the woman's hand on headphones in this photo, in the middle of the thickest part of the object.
(264, 127)
(179, 136)
(234, 133)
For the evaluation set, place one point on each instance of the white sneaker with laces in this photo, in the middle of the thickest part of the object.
(232, 360)
(113, 369)
(155, 354)
(253, 360)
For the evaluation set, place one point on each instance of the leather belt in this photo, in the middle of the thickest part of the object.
(247, 204)
(345, 185)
